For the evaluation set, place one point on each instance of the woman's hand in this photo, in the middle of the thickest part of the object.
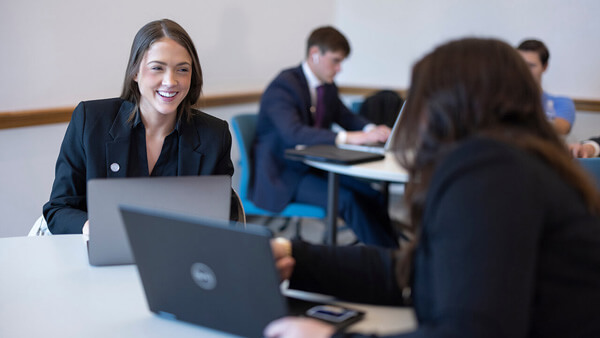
(292, 327)
(282, 252)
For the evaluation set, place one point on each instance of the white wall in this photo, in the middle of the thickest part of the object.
(57, 53)
(389, 36)
(27, 158)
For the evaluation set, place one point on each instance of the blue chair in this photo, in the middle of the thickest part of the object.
(244, 128)
(592, 166)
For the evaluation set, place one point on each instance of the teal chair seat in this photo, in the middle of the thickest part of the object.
(244, 129)
(592, 166)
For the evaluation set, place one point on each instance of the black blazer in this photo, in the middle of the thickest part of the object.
(284, 121)
(507, 249)
(595, 139)
(99, 135)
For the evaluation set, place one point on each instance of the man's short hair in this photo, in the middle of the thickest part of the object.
(538, 47)
(328, 39)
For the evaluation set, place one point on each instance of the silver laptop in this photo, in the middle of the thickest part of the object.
(213, 273)
(208, 196)
(377, 148)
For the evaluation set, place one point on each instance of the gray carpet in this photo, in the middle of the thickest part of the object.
(313, 230)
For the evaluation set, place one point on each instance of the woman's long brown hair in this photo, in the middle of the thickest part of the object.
(474, 87)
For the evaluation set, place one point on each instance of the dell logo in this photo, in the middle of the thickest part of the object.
(203, 276)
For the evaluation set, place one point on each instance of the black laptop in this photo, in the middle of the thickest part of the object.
(331, 154)
(213, 273)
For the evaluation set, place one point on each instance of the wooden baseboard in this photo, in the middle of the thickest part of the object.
(36, 117)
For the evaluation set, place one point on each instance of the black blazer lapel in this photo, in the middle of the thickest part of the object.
(189, 157)
(117, 150)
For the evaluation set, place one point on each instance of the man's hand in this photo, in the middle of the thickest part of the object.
(377, 134)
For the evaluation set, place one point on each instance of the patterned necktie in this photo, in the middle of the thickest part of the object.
(320, 108)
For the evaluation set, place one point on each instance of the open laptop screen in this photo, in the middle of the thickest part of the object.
(207, 196)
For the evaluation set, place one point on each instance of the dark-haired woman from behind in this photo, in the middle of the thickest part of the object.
(508, 227)
(151, 130)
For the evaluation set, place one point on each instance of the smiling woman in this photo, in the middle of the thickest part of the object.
(151, 130)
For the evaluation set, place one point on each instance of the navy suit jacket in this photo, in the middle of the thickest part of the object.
(284, 121)
(99, 135)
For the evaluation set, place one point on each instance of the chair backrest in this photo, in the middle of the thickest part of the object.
(40, 228)
(240, 207)
(382, 107)
(244, 128)
(592, 165)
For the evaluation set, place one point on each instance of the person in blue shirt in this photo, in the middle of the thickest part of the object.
(559, 110)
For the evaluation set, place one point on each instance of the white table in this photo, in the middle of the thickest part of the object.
(387, 170)
(48, 289)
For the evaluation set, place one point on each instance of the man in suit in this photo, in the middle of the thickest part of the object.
(299, 107)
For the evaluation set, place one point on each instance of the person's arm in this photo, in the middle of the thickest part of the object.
(379, 133)
(224, 165)
(585, 149)
(347, 119)
(562, 126)
(66, 211)
(281, 104)
(363, 274)
(359, 129)
(354, 273)
(565, 114)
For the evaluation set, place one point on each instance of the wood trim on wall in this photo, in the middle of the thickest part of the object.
(36, 117)
(228, 99)
(580, 104)
(366, 91)
(587, 105)
(25, 118)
